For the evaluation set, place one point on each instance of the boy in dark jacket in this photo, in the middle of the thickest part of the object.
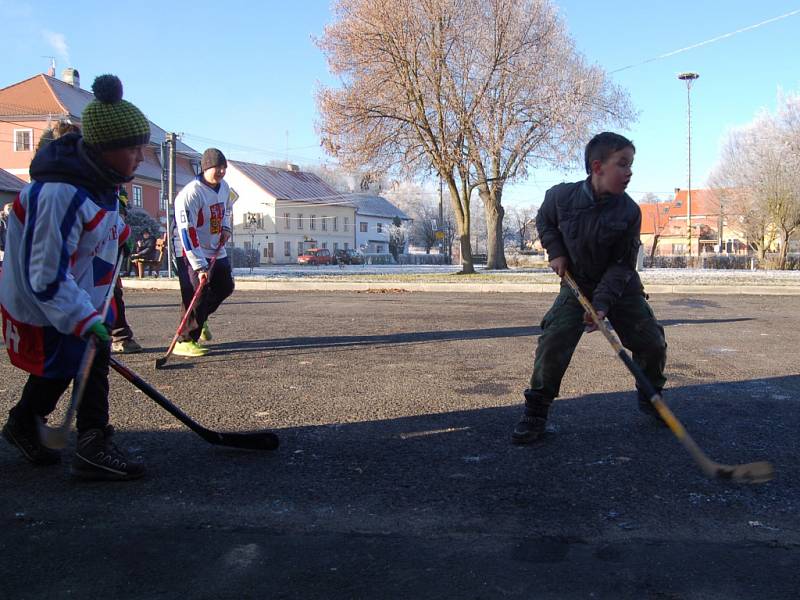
(64, 235)
(591, 229)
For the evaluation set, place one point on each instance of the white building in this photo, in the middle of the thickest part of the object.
(284, 212)
(374, 218)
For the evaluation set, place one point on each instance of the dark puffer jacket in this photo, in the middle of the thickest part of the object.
(600, 237)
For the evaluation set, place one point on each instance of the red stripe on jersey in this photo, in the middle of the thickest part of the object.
(200, 218)
(19, 210)
(126, 233)
(193, 237)
(80, 326)
(95, 220)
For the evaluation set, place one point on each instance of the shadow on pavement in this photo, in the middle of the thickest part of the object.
(433, 506)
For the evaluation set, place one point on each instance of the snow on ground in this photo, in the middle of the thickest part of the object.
(522, 275)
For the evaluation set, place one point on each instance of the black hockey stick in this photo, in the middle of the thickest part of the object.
(253, 440)
(56, 437)
(756, 472)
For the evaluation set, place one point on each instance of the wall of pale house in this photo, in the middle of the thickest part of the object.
(13, 158)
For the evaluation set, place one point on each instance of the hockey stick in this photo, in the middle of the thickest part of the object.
(57, 437)
(756, 472)
(160, 362)
(254, 440)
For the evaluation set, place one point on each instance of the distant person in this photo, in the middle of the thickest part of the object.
(591, 229)
(64, 237)
(4, 212)
(122, 340)
(202, 212)
(144, 251)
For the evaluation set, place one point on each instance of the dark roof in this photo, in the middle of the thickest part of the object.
(376, 206)
(289, 185)
(9, 182)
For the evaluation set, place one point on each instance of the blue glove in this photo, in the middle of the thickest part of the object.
(99, 331)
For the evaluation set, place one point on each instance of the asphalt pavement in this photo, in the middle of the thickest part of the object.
(396, 477)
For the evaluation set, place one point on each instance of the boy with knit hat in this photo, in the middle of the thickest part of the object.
(202, 212)
(64, 235)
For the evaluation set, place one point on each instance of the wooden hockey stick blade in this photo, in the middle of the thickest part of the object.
(251, 440)
(756, 472)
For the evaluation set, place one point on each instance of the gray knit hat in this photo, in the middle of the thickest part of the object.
(213, 158)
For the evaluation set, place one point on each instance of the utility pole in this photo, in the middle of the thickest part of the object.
(689, 77)
(171, 143)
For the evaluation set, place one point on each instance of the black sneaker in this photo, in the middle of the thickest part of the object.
(26, 438)
(529, 429)
(647, 408)
(97, 457)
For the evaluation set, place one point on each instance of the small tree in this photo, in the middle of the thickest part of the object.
(397, 237)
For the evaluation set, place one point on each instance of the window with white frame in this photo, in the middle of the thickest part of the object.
(335, 246)
(136, 200)
(346, 246)
(287, 248)
(379, 248)
(299, 248)
(287, 220)
(324, 224)
(23, 140)
(362, 226)
(347, 223)
(325, 245)
(380, 227)
(336, 223)
(312, 222)
(299, 220)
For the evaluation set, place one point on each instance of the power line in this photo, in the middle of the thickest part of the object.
(708, 41)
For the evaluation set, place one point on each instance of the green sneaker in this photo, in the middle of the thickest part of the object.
(205, 334)
(190, 349)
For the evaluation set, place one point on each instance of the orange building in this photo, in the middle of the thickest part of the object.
(31, 107)
(664, 226)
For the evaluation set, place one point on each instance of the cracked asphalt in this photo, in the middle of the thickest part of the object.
(396, 477)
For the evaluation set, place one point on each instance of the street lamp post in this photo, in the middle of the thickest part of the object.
(689, 77)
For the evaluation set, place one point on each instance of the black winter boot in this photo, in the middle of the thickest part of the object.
(97, 457)
(646, 407)
(25, 437)
(531, 426)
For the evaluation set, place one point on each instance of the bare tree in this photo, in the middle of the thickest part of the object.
(477, 91)
(649, 198)
(758, 178)
(523, 225)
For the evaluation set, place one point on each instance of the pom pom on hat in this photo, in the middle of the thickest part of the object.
(109, 122)
(107, 88)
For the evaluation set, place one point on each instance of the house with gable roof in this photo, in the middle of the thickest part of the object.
(375, 216)
(31, 107)
(664, 226)
(281, 213)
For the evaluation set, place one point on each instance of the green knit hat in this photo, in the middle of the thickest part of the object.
(109, 122)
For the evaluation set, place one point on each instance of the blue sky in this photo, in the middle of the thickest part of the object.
(240, 76)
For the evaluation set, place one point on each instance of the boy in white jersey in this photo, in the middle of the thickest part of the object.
(204, 226)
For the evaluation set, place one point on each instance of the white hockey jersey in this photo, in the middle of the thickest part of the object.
(202, 214)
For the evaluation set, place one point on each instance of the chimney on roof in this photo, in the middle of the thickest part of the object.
(677, 190)
(71, 76)
(292, 167)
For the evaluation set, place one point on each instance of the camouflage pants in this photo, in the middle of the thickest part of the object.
(633, 321)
